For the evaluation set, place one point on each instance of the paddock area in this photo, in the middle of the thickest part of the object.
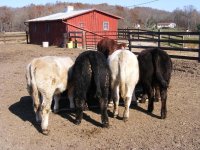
(18, 129)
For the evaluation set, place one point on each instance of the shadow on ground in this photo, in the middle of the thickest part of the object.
(24, 110)
(138, 108)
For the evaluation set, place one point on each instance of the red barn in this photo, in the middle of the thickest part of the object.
(52, 28)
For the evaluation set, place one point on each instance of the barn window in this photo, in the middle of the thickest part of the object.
(35, 28)
(105, 25)
(47, 28)
(81, 25)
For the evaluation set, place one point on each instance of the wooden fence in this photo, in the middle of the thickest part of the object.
(170, 41)
(178, 44)
(91, 40)
(175, 43)
(13, 37)
(77, 37)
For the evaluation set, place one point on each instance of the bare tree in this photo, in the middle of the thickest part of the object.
(186, 18)
(6, 17)
(12, 19)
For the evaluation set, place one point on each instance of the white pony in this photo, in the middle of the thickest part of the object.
(124, 77)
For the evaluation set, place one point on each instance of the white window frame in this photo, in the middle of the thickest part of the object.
(105, 25)
(82, 25)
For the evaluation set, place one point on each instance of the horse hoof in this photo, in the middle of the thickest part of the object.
(77, 122)
(115, 115)
(142, 100)
(134, 103)
(163, 116)
(110, 104)
(38, 121)
(105, 125)
(156, 99)
(45, 131)
(125, 119)
(55, 111)
(150, 110)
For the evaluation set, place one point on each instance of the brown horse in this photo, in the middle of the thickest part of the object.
(108, 46)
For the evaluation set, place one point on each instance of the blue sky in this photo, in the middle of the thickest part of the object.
(168, 5)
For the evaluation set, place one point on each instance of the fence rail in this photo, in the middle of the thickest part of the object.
(172, 41)
(8, 37)
(92, 40)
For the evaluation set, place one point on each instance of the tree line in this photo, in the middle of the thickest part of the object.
(12, 19)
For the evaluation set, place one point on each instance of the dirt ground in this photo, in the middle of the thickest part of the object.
(19, 131)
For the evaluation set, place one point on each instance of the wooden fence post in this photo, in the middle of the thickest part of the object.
(65, 40)
(27, 39)
(199, 48)
(169, 37)
(159, 38)
(83, 40)
(126, 32)
(129, 41)
(4, 38)
(95, 42)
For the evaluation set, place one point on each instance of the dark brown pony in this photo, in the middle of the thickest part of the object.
(155, 73)
(108, 46)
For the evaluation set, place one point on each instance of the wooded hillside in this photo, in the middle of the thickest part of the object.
(12, 19)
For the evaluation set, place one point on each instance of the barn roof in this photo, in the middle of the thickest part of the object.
(67, 15)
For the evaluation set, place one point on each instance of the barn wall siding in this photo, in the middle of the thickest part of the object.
(93, 21)
(39, 32)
